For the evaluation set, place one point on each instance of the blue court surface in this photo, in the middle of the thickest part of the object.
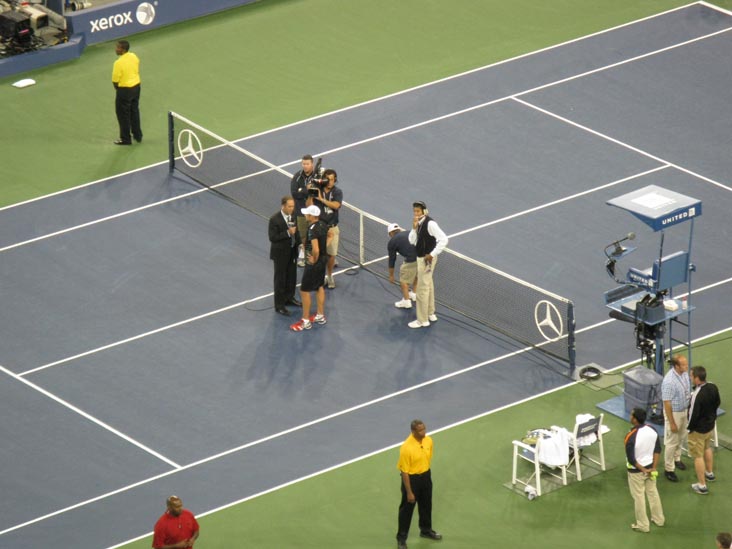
(141, 355)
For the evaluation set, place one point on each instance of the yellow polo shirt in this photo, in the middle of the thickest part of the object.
(415, 457)
(126, 70)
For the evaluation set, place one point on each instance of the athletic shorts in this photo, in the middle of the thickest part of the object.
(313, 276)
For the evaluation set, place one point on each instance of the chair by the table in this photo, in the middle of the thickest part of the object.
(585, 435)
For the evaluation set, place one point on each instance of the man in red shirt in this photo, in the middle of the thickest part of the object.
(177, 528)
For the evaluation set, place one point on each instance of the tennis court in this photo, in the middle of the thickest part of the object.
(141, 344)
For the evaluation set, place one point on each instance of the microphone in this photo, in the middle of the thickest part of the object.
(619, 250)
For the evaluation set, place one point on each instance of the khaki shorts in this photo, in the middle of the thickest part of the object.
(407, 272)
(332, 248)
(698, 442)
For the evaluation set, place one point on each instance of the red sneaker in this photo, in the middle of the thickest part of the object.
(301, 325)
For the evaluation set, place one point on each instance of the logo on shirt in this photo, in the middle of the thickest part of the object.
(190, 148)
(548, 320)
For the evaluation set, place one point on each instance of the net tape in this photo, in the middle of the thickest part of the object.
(509, 305)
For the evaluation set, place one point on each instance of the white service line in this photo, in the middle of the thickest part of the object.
(145, 334)
(559, 201)
(241, 303)
(622, 144)
(263, 439)
(91, 418)
(465, 73)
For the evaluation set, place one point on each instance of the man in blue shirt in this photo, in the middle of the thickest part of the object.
(676, 394)
(399, 244)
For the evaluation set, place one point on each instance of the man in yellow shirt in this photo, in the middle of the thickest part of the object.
(126, 80)
(414, 465)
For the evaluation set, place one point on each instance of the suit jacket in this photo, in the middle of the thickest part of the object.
(280, 242)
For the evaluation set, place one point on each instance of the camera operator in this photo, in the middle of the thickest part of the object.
(299, 191)
(328, 198)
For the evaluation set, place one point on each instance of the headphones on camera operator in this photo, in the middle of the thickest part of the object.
(422, 205)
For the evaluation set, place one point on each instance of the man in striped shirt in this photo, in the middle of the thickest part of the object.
(676, 394)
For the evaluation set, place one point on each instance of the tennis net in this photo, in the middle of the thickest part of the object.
(504, 303)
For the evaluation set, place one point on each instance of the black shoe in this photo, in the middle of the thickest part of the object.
(294, 302)
(282, 311)
(120, 142)
(671, 476)
(431, 534)
(138, 139)
(680, 465)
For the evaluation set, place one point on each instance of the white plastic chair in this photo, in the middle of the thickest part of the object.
(585, 435)
(535, 454)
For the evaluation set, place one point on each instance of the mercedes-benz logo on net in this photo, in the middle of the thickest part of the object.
(548, 320)
(190, 148)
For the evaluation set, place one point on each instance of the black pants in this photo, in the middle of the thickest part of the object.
(285, 277)
(422, 489)
(127, 106)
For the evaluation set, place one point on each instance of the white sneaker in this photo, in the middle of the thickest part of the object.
(403, 304)
(330, 282)
(433, 318)
(418, 324)
(412, 296)
(301, 262)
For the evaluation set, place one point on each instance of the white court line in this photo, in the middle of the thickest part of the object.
(465, 73)
(389, 96)
(145, 334)
(397, 444)
(132, 211)
(91, 418)
(381, 98)
(712, 6)
(267, 438)
(622, 144)
(412, 126)
(77, 187)
(561, 200)
(229, 307)
(323, 419)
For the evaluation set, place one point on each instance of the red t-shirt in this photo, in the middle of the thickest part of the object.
(170, 529)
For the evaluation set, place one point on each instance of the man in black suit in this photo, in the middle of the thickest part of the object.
(285, 241)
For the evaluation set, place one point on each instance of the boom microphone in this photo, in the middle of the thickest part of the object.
(619, 250)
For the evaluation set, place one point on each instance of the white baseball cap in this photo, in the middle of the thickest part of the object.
(393, 227)
(311, 210)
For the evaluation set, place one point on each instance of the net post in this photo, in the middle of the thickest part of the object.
(361, 239)
(171, 143)
(571, 350)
